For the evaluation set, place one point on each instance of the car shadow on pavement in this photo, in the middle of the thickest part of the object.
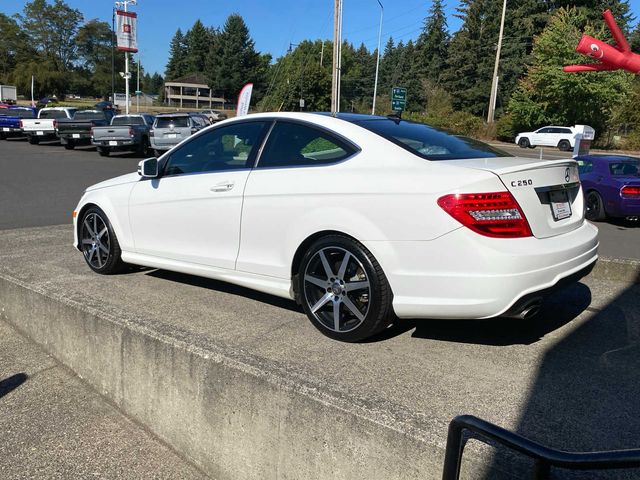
(9, 384)
(557, 310)
(585, 395)
(225, 287)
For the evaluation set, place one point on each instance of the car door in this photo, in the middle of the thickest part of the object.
(542, 136)
(191, 213)
(294, 177)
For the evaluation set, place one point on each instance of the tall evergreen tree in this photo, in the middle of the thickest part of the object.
(233, 60)
(388, 66)
(432, 44)
(176, 67)
(198, 42)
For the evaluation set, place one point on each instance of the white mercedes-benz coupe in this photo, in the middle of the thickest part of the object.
(356, 217)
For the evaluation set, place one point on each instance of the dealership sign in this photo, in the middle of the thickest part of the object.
(126, 31)
(244, 99)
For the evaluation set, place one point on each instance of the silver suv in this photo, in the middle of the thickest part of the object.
(169, 129)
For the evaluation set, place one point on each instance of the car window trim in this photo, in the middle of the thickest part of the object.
(356, 149)
(204, 131)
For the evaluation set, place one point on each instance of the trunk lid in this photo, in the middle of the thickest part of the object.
(548, 191)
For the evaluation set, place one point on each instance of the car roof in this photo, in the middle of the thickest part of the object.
(603, 157)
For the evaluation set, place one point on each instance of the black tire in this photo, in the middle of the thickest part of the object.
(33, 140)
(2, 136)
(524, 143)
(103, 151)
(371, 302)
(70, 145)
(143, 149)
(91, 235)
(564, 145)
(595, 207)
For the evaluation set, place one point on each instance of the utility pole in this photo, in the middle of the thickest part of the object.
(375, 85)
(494, 82)
(138, 87)
(337, 54)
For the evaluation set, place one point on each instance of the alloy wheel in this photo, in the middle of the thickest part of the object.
(96, 242)
(336, 289)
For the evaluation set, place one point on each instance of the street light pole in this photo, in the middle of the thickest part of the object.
(127, 74)
(494, 82)
(375, 85)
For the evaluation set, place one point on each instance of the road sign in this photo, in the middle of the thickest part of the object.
(399, 93)
(398, 99)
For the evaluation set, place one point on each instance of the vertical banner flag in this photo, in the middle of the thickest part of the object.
(126, 31)
(243, 100)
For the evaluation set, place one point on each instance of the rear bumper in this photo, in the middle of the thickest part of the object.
(116, 143)
(11, 131)
(465, 275)
(42, 134)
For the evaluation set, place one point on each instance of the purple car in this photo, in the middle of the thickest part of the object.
(611, 184)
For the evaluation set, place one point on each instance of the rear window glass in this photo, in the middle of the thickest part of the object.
(430, 143)
(127, 121)
(625, 168)
(165, 122)
(89, 115)
(20, 113)
(53, 114)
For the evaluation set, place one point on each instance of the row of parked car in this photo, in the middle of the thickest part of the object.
(104, 128)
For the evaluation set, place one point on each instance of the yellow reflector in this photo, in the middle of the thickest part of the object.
(74, 214)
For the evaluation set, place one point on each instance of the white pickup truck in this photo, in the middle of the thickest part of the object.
(45, 126)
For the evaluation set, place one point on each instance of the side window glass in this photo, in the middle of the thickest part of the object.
(565, 130)
(228, 148)
(295, 145)
(544, 130)
(585, 166)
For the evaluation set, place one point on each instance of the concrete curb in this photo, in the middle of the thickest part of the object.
(235, 416)
(617, 270)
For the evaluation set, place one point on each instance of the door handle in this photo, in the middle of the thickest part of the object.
(222, 186)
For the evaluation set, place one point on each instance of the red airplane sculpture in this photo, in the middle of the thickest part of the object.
(616, 57)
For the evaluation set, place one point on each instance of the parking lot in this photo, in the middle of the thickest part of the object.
(567, 378)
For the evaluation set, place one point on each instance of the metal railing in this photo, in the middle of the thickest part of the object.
(544, 457)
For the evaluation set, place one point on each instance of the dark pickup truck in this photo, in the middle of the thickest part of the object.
(77, 130)
(126, 132)
(11, 118)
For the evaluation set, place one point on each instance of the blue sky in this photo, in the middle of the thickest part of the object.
(273, 24)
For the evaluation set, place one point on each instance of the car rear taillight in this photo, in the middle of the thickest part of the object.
(630, 191)
(131, 132)
(91, 132)
(21, 124)
(55, 124)
(495, 214)
(151, 133)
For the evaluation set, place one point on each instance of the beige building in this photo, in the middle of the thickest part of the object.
(191, 91)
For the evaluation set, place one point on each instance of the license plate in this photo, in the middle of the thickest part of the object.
(113, 142)
(76, 135)
(6, 129)
(560, 206)
(172, 135)
(39, 133)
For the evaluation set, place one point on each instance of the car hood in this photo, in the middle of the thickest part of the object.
(112, 182)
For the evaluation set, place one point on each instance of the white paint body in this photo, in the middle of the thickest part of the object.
(384, 196)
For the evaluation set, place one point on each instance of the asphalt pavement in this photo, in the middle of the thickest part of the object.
(41, 185)
(52, 426)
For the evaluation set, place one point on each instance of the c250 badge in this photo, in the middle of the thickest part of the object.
(522, 183)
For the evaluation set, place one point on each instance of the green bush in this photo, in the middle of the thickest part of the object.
(505, 128)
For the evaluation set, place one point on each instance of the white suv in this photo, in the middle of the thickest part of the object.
(562, 137)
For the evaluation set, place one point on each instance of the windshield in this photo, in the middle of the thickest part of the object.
(429, 142)
(627, 168)
(165, 122)
(127, 121)
(53, 114)
(89, 115)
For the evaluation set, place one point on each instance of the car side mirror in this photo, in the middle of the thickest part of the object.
(148, 168)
